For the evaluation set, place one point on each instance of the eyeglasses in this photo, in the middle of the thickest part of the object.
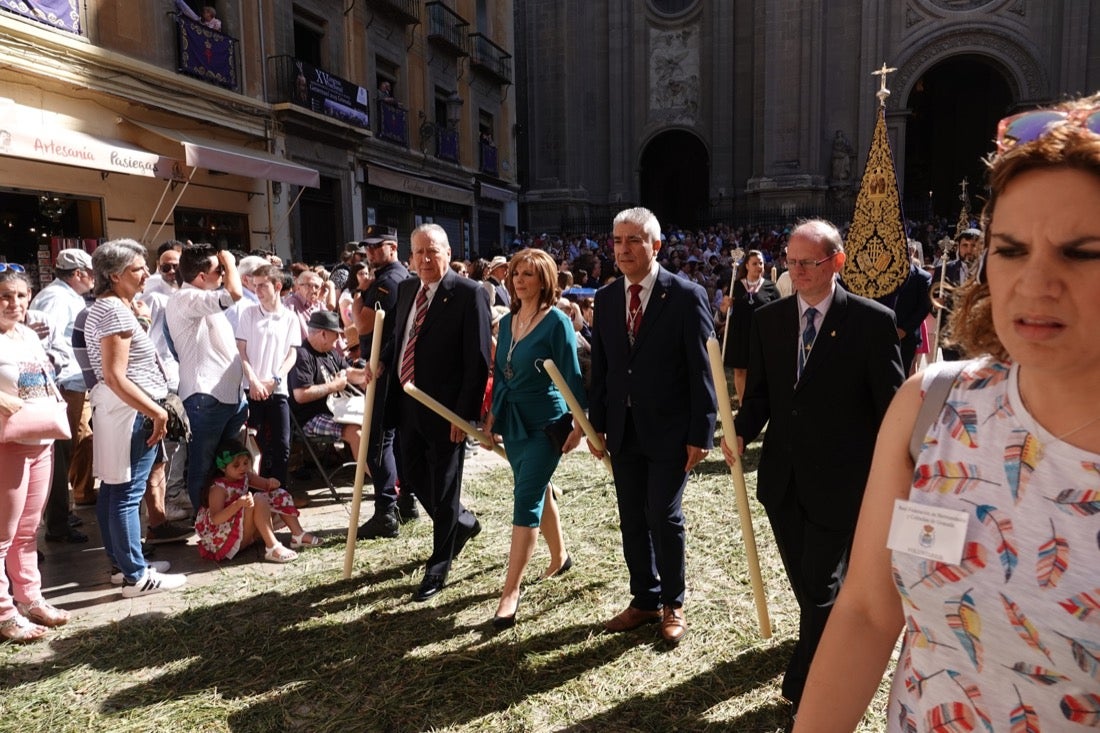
(219, 270)
(169, 267)
(1029, 126)
(11, 266)
(808, 264)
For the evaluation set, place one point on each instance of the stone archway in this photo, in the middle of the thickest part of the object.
(953, 108)
(673, 177)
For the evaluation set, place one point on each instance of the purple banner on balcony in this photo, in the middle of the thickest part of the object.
(330, 95)
(394, 123)
(206, 53)
(60, 14)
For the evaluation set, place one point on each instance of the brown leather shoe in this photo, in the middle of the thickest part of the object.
(673, 624)
(632, 618)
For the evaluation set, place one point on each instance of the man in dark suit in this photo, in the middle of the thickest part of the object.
(912, 304)
(440, 342)
(653, 399)
(954, 273)
(498, 270)
(823, 366)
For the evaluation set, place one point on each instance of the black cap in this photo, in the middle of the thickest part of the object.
(325, 321)
(377, 234)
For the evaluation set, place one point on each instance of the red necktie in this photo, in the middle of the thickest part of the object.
(406, 372)
(634, 321)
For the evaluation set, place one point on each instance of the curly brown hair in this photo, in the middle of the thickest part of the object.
(1065, 146)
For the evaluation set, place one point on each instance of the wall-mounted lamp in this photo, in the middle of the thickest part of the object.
(276, 191)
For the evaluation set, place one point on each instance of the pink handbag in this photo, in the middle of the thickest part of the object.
(38, 420)
(46, 420)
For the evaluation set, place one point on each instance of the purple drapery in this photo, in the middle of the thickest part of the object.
(206, 53)
(60, 14)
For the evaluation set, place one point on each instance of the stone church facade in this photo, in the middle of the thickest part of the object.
(708, 110)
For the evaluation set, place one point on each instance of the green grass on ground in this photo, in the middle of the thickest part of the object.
(309, 651)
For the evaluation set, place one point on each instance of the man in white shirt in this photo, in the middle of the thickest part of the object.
(61, 301)
(210, 365)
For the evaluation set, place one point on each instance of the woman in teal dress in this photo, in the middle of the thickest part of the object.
(525, 402)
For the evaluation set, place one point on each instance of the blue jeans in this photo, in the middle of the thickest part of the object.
(211, 423)
(117, 509)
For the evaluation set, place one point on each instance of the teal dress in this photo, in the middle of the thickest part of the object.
(528, 401)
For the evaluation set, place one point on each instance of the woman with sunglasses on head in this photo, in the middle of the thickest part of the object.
(991, 570)
(25, 465)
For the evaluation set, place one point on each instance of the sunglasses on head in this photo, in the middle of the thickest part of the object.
(11, 266)
(1028, 127)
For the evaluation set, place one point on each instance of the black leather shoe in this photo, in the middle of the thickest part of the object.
(406, 507)
(73, 536)
(379, 526)
(464, 535)
(429, 587)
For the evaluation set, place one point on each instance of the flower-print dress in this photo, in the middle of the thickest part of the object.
(223, 541)
(1009, 638)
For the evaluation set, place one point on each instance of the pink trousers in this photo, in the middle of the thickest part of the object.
(24, 486)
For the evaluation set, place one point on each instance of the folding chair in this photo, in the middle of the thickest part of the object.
(311, 444)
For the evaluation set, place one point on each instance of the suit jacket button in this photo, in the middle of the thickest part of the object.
(794, 412)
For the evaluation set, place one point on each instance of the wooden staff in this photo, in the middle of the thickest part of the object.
(364, 441)
(578, 411)
(444, 412)
(747, 536)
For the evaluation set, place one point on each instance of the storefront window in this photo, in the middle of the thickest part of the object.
(223, 229)
(35, 225)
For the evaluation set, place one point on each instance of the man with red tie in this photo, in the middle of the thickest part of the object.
(653, 398)
(440, 342)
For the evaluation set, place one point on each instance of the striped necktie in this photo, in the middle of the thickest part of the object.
(809, 333)
(406, 372)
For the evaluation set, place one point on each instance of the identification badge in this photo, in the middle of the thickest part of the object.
(930, 532)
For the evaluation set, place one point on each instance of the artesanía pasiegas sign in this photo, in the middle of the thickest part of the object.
(23, 138)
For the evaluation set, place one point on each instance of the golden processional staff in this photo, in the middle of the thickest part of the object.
(364, 441)
(453, 418)
(578, 411)
(740, 490)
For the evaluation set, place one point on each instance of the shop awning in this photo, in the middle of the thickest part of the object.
(202, 152)
(37, 134)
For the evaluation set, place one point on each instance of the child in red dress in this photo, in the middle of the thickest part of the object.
(239, 507)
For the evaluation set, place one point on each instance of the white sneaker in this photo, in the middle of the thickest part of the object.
(152, 582)
(161, 566)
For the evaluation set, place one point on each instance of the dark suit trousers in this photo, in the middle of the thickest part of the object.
(432, 465)
(813, 556)
(908, 346)
(651, 521)
(383, 468)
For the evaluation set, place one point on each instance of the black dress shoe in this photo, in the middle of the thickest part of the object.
(463, 535)
(73, 537)
(74, 520)
(406, 507)
(429, 587)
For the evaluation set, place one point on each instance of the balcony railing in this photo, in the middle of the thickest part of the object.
(303, 84)
(206, 54)
(393, 122)
(447, 29)
(446, 144)
(488, 158)
(405, 11)
(490, 58)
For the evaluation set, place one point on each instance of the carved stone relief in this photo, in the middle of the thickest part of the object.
(674, 74)
(960, 5)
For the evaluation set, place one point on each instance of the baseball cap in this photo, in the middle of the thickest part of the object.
(377, 234)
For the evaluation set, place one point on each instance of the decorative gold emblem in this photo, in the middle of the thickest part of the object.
(878, 255)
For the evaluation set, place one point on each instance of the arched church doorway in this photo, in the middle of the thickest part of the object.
(674, 178)
(954, 110)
